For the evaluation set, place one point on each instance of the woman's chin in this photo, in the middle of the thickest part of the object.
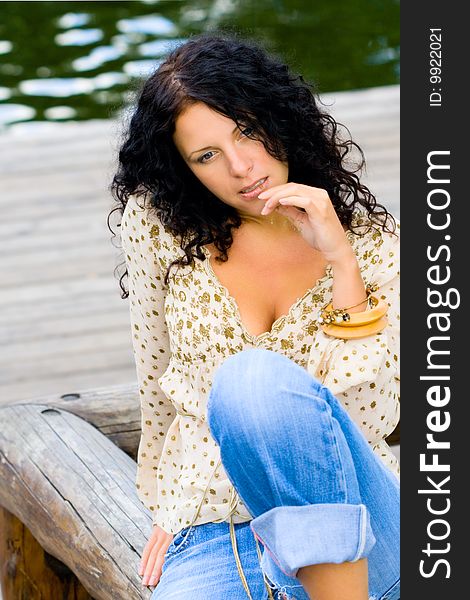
(252, 205)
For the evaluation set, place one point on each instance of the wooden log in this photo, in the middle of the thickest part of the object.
(74, 490)
(28, 571)
(113, 410)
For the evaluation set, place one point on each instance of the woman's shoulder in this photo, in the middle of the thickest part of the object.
(376, 231)
(140, 219)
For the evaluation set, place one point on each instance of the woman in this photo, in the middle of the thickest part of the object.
(259, 270)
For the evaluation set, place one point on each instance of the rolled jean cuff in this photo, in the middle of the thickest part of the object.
(297, 536)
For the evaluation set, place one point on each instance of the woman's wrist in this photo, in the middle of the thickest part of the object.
(348, 286)
(344, 259)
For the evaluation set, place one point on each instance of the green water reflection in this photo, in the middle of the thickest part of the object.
(82, 60)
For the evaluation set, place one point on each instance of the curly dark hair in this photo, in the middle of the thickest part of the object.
(256, 89)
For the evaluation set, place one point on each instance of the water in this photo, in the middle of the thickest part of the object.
(64, 61)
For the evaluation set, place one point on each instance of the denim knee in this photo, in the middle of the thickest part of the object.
(249, 387)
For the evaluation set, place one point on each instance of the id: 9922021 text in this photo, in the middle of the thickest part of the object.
(435, 66)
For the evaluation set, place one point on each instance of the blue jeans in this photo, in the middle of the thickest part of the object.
(316, 491)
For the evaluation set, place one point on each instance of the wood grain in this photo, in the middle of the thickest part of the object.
(73, 488)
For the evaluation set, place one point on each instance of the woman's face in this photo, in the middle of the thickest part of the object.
(225, 160)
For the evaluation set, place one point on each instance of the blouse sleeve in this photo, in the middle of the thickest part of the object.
(150, 344)
(364, 373)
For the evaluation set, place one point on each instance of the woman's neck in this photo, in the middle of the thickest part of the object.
(273, 224)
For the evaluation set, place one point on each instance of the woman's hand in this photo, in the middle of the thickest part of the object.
(153, 556)
(319, 225)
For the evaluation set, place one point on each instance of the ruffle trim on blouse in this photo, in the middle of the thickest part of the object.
(182, 384)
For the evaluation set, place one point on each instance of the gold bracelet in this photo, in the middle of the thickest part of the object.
(358, 331)
(340, 316)
(357, 325)
(360, 324)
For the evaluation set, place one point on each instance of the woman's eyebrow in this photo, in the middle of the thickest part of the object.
(207, 147)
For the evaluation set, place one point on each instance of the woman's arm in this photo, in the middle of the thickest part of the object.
(152, 354)
(151, 346)
(364, 373)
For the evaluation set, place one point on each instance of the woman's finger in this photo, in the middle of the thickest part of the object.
(149, 568)
(272, 203)
(157, 568)
(287, 188)
(298, 218)
(155, 562)
(317, 197)
(153, 539)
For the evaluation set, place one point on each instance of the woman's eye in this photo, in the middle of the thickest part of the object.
(205, 157)
(247, 131)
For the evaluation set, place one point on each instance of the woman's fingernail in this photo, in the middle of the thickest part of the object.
(262, 195)
(266, 208)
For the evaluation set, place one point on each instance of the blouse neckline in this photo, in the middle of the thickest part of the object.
(282, 318)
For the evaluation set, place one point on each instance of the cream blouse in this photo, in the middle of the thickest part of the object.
(182, 332)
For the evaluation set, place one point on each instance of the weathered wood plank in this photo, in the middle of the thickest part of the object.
(113, 410)
(30, 201)
(82, 270)
(22, 390)
(46, 307)
(83, 343)
(65, 325)
(56, 223)
(74, 490)
(67, 364)
(26, 295)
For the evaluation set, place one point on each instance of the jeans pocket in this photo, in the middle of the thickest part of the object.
(392, 593)
(180, 541)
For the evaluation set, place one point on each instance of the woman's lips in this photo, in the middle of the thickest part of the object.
(258, 189)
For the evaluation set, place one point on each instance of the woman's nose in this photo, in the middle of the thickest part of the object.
(240, 163)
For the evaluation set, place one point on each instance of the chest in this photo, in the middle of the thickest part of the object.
(266, 279)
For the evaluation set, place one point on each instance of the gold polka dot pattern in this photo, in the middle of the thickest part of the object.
(181, 333)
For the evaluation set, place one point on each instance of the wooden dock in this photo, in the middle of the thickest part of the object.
(64, 327)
